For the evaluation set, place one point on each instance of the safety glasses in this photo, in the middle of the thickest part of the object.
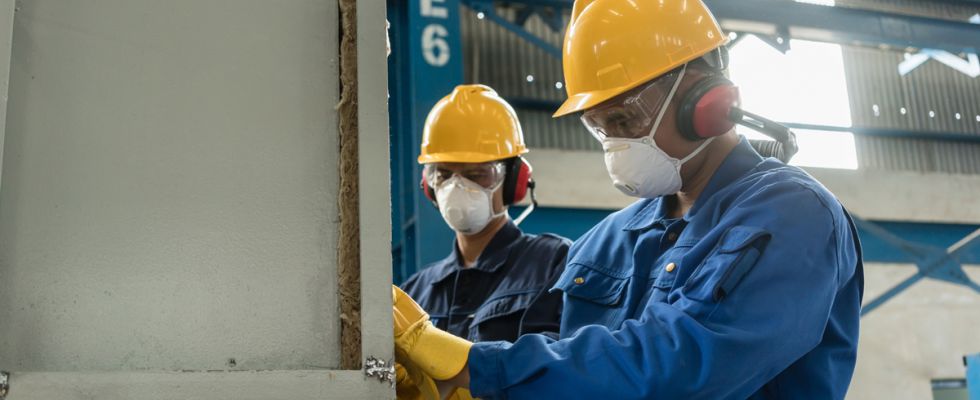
(630, 115)
(489, 175)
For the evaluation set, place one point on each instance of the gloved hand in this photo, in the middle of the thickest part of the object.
(460, 394)
(412, 384)
(437, 353)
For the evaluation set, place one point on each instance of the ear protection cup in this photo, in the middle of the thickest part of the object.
(427, 190)
(705, 110)
(516, 180)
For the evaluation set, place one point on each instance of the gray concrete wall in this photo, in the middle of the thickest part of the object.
(241, 385)
(169, 185)
(170, 201)
(916, 337)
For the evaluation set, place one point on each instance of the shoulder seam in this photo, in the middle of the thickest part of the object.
(555, 237)
(836, 229)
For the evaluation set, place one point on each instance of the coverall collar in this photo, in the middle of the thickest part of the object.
(491, 259)
(741, 160)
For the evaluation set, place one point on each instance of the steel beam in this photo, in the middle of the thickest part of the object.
(933, 262)
(840, 25)
(973, 375)
(426, 63)
(890, 132)
(489, 11)
(845, 25)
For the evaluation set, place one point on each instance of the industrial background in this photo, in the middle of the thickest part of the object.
(884, 95)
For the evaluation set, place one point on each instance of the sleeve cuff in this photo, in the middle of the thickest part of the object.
(484, 364)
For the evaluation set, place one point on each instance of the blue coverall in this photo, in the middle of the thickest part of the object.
(754, 293)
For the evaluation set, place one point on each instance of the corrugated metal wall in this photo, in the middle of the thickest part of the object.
(499, 57)
(931, 98)
(922, 8)
(934, 97)
(525, 75)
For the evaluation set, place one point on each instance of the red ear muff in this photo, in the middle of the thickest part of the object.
(523, 178)
(427, 190)
(518, 176)
(705, 111)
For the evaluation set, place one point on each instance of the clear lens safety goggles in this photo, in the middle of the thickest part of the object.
(630, 115)
(489, 175)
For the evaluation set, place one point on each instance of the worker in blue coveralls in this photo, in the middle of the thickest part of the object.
(734, 276)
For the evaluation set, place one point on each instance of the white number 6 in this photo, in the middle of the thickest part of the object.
(435, 49)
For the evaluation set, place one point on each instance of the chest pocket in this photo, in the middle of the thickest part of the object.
(595, 285)
(499, 317)
(503, 305)
(593, 296)
(720, 272)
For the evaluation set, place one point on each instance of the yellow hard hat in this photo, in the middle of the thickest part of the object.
(612, 46)
(472, 125)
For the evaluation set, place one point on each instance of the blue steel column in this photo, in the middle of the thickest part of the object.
(425, 64)
(973, 375)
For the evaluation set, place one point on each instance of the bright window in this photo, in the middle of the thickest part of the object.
(806, 85)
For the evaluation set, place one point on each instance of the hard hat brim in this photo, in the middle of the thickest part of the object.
(586, 100)
(465, 157)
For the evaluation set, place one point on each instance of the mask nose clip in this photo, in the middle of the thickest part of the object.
(612, 147)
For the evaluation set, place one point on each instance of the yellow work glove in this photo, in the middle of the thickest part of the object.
(460, 394)
(412, 384)
(437, 353)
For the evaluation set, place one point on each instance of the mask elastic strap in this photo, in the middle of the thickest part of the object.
(489, 192)
(527, 211)
(698, 150)
(670, 96)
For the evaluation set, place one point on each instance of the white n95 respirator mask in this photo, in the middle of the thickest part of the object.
(636, 165)
(466, 206)
(639, 168)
